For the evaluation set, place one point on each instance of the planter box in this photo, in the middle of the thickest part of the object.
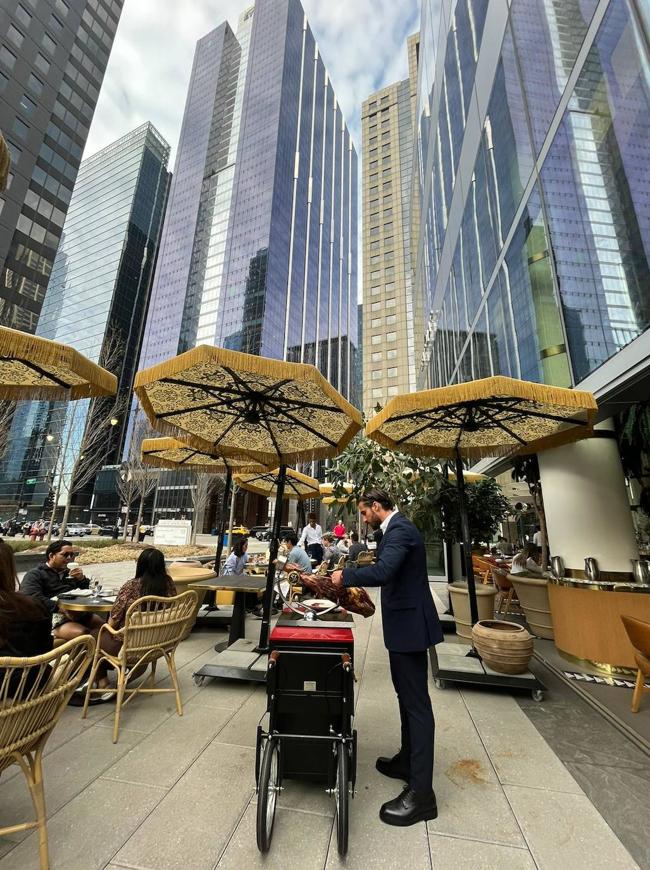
(27, 560)
(532, 593)
(459, 595)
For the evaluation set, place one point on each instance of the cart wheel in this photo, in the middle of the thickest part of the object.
(267, 796)
(342, 795)
(439, 684)
(198, 680)
(537, 695)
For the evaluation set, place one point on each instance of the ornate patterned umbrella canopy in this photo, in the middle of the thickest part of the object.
(491, 417)
(173, 454)
(227, 402)
(296, 485)
(37, 368)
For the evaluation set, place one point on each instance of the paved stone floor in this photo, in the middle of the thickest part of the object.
(178, 792)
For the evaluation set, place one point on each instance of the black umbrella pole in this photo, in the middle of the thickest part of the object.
(467, 544)
(263, 645)
(221, 527)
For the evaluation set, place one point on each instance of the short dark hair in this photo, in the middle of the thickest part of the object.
(354, 537)
(378, 495)
(328, 537)
(291, 537)
(311, 517)
(55, 547)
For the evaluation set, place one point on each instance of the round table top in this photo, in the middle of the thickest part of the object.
(86, 604)
(189, 573)
(232, 583)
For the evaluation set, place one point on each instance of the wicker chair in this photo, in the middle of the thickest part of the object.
(638, 632)
(153, 628)
(482, 568)
(33, 694)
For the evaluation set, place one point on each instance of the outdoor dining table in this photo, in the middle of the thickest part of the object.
(240, 584)
(87, 603)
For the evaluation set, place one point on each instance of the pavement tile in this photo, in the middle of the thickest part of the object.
(241, 729)
(450, 853)
(565, 830)
(519, 753)
(87, 832)
(67, 771)
(171, 748)
(297, 838)
(193, 823)
(373, 845)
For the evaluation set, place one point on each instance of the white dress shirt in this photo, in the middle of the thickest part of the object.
(311, 535)
(384, 524)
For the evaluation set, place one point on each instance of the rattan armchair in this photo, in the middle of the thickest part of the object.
(33, 694)
(638, 632)
(153, 628)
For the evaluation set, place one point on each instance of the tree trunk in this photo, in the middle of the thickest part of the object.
(140, 513)
(126, 524)
(66, 516)
(542, 527)
(53, 514)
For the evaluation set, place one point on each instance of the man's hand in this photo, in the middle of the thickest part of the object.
(77, 574)
(337, 578)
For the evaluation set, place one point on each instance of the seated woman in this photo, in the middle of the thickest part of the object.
(236, 561)
(25, 625)
(525, 562)
(151, 578)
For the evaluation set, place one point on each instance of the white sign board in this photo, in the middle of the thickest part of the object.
(172, 533)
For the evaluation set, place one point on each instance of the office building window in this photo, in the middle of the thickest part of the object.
(7, 57)
(15, 35)
(23, 15)
(376, 374)
(376, 356)
(376, 339)
(392, 318)
(392, 372)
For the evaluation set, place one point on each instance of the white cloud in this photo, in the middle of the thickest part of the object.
(363, 44)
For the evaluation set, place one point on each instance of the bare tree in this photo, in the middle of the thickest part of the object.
(125, 482)
(146, 480)
(86, 435)
(204, 487)
(135, 478)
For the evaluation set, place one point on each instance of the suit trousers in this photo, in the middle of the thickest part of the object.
(409, 672)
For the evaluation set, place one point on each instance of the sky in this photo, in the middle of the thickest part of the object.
(362, 42)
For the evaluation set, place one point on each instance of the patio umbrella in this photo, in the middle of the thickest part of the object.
(491, 417)
(226, 402)
(37, 368)
(296, 485)
(173, 454)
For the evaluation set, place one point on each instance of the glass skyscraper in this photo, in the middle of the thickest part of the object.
(259, 246)
(97, 297)
(53, 55)
(533, 119)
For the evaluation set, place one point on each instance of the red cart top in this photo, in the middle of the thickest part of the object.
(311, 635)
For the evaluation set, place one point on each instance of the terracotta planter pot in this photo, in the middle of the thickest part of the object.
(532, 593)
(504, 646)
(459, 595)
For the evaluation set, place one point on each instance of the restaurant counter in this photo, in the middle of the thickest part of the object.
(587, 619)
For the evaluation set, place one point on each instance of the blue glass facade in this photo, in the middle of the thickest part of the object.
(53, 54)
(96, 299)
(259, 246)
(535, 189)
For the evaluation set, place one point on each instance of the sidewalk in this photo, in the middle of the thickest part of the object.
(180, 792)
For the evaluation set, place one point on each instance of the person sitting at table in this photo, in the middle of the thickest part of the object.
(236, 561)
(331, 553)
(355, 547)
(25, 625)
(53, 578)
(525, 562)
(151, 578)
(297, 559)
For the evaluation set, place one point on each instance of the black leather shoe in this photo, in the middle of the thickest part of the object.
(408, 808)
(394, 767)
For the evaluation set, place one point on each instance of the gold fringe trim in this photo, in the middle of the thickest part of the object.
(262, 366)
(475, 391)
(151, 447)
(60, 359)
(243, 480)
(5, 163)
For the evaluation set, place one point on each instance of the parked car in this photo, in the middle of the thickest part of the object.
(76, 530)
(263, 533)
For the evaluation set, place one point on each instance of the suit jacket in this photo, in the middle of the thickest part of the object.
(409, 616)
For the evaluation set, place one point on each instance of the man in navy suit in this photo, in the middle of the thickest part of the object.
(411, 626)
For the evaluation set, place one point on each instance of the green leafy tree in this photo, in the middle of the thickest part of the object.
(487, 508)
